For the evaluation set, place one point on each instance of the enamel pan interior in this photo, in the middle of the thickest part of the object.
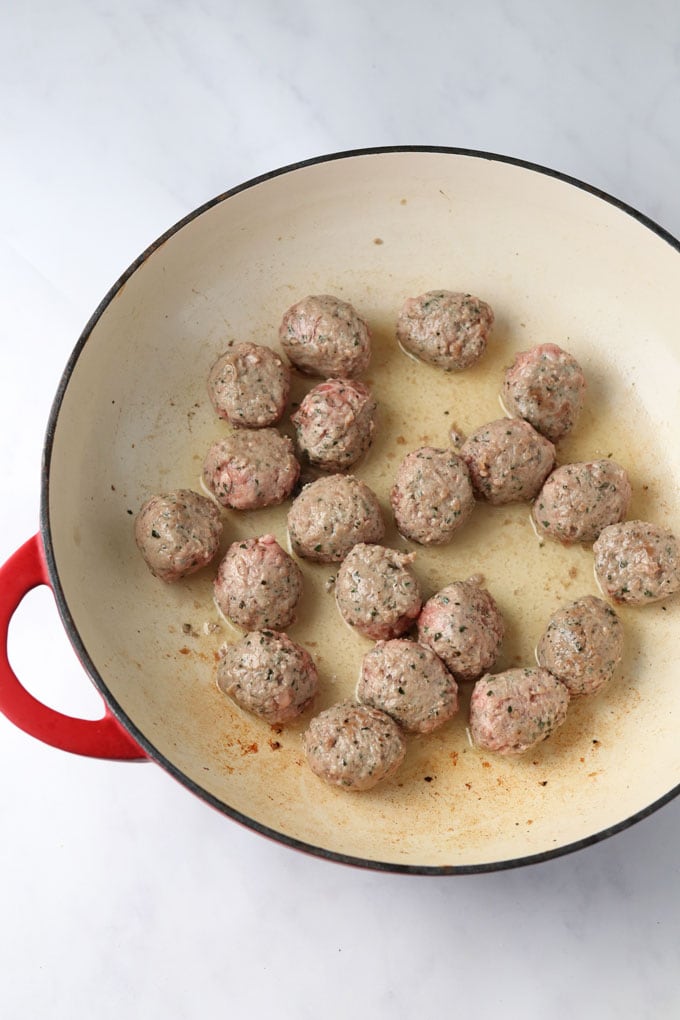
(558, 262)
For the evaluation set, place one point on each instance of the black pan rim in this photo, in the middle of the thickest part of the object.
(69, 623)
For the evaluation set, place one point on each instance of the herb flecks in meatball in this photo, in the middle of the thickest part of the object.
(177, 533)
(251, 468)
(582, 645)
(332, 515)
(545, 386)
(354, 746)
(508, 461)
(334, 423)
(432, 495)
(637, 562)
(377, 592)
(269, 675)
(464, 626)
(514, 711)
(258, 585)
(249, 385)
(445, 328)
(409, 682)
(325, 336)
(579, 500)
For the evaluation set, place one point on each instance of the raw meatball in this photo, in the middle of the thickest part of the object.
(546, 387)
(508, 461)
(376, 592)
(582, 645)
(432, 495)
(331, 515)
(513, 711)
(637, 562)
(579, 500)
(249, 386)
(258, 585)
(354, 746)
(325, 336)
(464, 626)
(178, 533)
(410, 683)
(335, 422)
(251, 468)
(444, 328)
(269, 675)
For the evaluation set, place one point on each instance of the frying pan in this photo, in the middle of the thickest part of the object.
(558, 261)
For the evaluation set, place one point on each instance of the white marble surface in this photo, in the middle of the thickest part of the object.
(121, 894)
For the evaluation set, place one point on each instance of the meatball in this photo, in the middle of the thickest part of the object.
(513, 711)
(582, 645)
(354, 746)
(545, 386)
(508, 461)
(335, 422)
(432, 495)
(637, 562)
(410, 683)
(177, 533)
(251, 468)
(376, 592)
(249, 386)
(464, 626)
(269, 675)
(331, 515)
(325, 336)
(579, 500)
(258, 585)
(445, 328)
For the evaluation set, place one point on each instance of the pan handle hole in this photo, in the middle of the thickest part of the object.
(43, 659)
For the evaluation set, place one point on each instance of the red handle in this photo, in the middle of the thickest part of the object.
(97, 738)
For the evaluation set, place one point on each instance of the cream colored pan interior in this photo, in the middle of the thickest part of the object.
(557, 263)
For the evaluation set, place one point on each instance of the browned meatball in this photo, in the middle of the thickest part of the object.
(511, 712)
(249, 386)
(508, 461)
(376, 592)
(258, 585)
(251, 468)
(269, 675)
(445, 328)
(579, 500)
(637, 562)
(331, 515)
(545, 386)
(354, 746)
(325, 336)
(177, 533)
(582, 645)
(335, 422)
(464, 626)
(410, 683)
(432, 495)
